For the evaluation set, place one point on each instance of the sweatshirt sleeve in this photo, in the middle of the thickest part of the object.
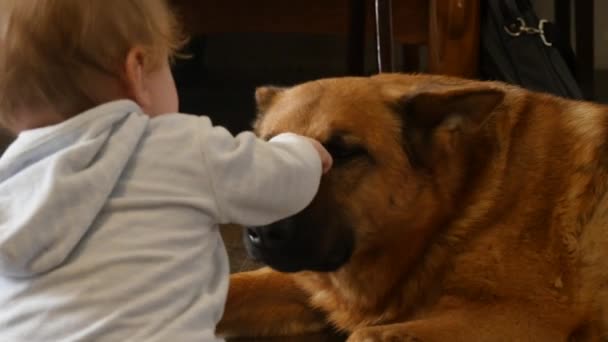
(257, 182)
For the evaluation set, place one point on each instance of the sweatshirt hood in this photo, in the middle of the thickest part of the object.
(55, 180)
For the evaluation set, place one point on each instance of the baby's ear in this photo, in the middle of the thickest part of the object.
(134, 68)
(264, 96)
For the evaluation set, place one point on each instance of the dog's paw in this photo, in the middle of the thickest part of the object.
(381, 334)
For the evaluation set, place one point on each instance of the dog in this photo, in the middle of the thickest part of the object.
(456, 210)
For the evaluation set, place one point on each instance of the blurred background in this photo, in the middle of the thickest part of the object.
(227, 66)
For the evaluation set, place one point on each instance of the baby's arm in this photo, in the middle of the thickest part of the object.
(258, 182)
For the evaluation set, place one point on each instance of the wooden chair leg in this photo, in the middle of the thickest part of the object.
(563, 9)
(410, 58)
(454, 37)
(562, 18)
(356, 38)
(384, 35)
(584, 46)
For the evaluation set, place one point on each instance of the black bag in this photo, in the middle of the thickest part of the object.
(518, 48)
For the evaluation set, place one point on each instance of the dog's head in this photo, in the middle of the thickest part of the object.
(405, 148)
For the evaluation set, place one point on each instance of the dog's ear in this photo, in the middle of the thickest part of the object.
(436, 120)
(265, 95)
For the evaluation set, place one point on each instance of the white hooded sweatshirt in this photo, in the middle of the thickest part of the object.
(109, 222)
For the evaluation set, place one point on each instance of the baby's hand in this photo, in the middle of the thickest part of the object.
(326, 159)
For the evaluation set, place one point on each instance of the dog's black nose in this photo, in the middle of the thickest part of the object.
(276, 235)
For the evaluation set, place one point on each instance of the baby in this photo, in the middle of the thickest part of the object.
(110, 201)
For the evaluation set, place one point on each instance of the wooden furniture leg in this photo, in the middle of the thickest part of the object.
(454, 37)
(356, 38)
(584, 46)
(410, 58)
(562, 17)
(384, 35)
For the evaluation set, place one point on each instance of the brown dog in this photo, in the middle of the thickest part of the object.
(456, 211)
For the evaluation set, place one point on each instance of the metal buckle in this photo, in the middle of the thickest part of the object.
(516, 31)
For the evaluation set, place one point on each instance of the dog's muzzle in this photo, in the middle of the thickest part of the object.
(289, 247)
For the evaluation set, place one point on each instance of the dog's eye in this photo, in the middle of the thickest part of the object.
(342, 151)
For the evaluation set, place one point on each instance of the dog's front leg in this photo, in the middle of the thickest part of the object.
(267, 303)
(479, 323)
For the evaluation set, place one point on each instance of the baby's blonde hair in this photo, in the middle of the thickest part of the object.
(54, 53)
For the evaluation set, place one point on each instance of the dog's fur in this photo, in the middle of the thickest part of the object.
(478, 211)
